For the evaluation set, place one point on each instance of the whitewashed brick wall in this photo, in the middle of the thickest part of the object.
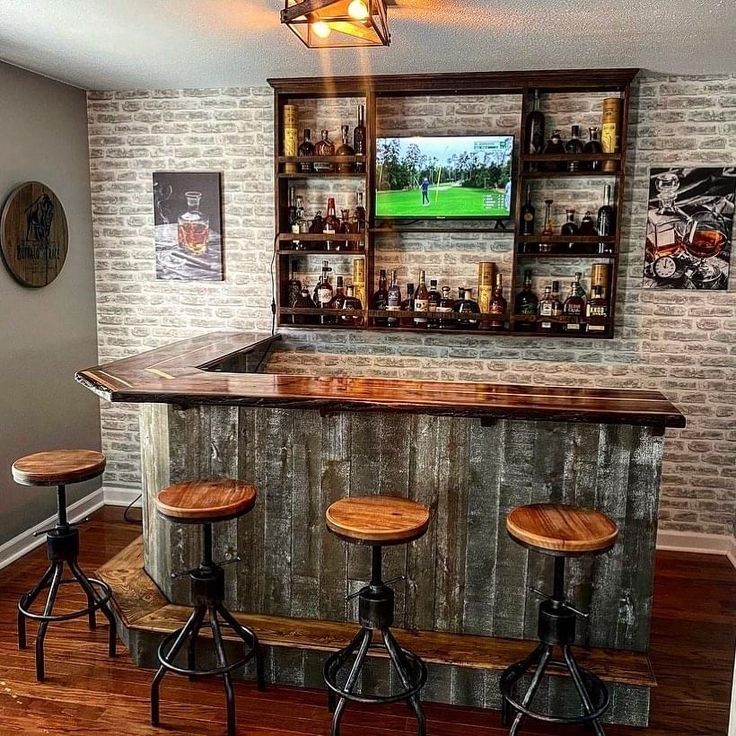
(681, 343)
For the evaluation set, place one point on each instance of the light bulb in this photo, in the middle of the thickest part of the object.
(358, 10)
(321, 29)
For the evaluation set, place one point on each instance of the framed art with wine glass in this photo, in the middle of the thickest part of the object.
(689, 227)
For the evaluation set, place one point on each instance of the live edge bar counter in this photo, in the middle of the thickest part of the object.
(470, 451)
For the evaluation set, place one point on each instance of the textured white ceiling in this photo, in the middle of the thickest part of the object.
(121, 44)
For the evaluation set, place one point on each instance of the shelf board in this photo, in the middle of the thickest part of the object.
(608, 256)
(315, 252)
(321, 237)
(567, 157)
(322, 159)
(566, 174)
(566, 238)
(324, 175)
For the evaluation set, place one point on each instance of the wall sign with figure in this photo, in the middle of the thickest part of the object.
(34, 236)
(188, 226)
(689, 228)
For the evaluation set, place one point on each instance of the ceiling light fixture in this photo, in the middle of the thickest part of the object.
(338, 23)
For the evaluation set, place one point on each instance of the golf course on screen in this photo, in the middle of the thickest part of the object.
(444, 177)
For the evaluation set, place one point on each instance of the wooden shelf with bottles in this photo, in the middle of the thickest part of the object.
(368, 90)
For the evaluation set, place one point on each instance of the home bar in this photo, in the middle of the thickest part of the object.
(395, 384)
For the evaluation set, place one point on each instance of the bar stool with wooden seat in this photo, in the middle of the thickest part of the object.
(376, 521)
(560, 531)
(60, 468)
(205, 503)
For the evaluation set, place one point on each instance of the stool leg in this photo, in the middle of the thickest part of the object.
(532, 691)
(339, 662)
(170, 655)
(222, 662)
(27, 601)
(43, 627)
(402, 668)
(352, 679)
(192, 647)
(105, 608)
(250, 638)
(514, 673)
(577, 678)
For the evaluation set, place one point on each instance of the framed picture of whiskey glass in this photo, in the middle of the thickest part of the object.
(689, 228)
(188, 226)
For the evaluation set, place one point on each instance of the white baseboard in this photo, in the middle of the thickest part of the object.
(122, 496)
(25, 542)
(704, 544)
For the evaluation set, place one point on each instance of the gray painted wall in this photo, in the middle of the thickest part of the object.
(45, 334)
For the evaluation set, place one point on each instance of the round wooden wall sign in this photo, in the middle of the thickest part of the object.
(34, 236)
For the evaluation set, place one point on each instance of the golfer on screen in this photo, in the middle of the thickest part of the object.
(425, 192)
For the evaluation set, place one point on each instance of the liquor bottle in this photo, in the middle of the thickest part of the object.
(408, 305)
(578, 286)
(527, 213)
(446, 304)
(294, 287)
(299, 225)
(574, 307)
(547, 228)
(359, 280)
(193, 228)
(526, 301)
(556, 303)
(666, 223)
(290, 136)
(597, 311)
(611, 130)
(380, 298)
(587, 224)
(593, 146)
(433, 301)
(304, 301)
(291, 209)
(331, 225)
(345, 167)
(359, 138)
(339, 299)
(421, 302)
(352, 309)
(570, 227)
(346, 227)
(606, 221)
(469, 310)
(556, 147)
(574, 145)
(323, 291)
(360, 214)
(393, 301)
(324, 147)
(545, 309)
(317, 225)
(306, 149)
(534, 128)
(499, 307)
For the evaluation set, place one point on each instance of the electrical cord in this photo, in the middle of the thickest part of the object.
(129, 507)
(273, 288)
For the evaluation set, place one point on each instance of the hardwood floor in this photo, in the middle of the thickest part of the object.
(693, 643)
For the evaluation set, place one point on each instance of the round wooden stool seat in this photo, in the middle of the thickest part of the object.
(378, 520)
(560, 529)
(202, 501)
(58, 467)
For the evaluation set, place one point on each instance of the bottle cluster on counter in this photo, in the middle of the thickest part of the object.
(575, 313)
(348, 223)
(325, 149)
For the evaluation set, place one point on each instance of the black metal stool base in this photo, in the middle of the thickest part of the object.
(63, 547)
(376, 605)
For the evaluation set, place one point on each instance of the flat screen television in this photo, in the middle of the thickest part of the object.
(444, 177)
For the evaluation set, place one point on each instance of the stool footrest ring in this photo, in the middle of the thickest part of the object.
(102, 588)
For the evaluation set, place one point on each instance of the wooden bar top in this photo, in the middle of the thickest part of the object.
(187, 373)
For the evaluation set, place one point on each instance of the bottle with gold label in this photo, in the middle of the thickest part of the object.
(611, 130)
(498, 308)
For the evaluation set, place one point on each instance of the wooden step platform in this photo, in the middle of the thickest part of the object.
(141, 607)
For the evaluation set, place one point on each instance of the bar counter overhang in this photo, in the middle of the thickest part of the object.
(471, 451)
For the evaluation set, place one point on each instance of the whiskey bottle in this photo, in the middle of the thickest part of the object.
(193, 227)
(469, 311)
(556, 303)
(555, 147)
(393, 301)
(499, 307)
(352, 314)
(534, 128)
(299, 225)
(433, 301)
(359, 139)
(605, 222)
(597, 311)
(574, 307)
(445, 305)
(323, 292)
(331, 225)
(574, 145)
(317, 225)
(339, 299)
(587, 224)
(570, 227)
(291, 209)
(380, 299)
(545, 308)
(547, 228)
(345, 167)
(306, 149)
(578, 286)
(593, 146)
(527, 213)
(294, 287)
(526, 302)
(325, 148)
(360, 214)
(304, 301)
(421, 302)
(408, 305)
(346, 227)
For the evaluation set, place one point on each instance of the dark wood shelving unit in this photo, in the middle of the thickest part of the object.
(614, 82)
